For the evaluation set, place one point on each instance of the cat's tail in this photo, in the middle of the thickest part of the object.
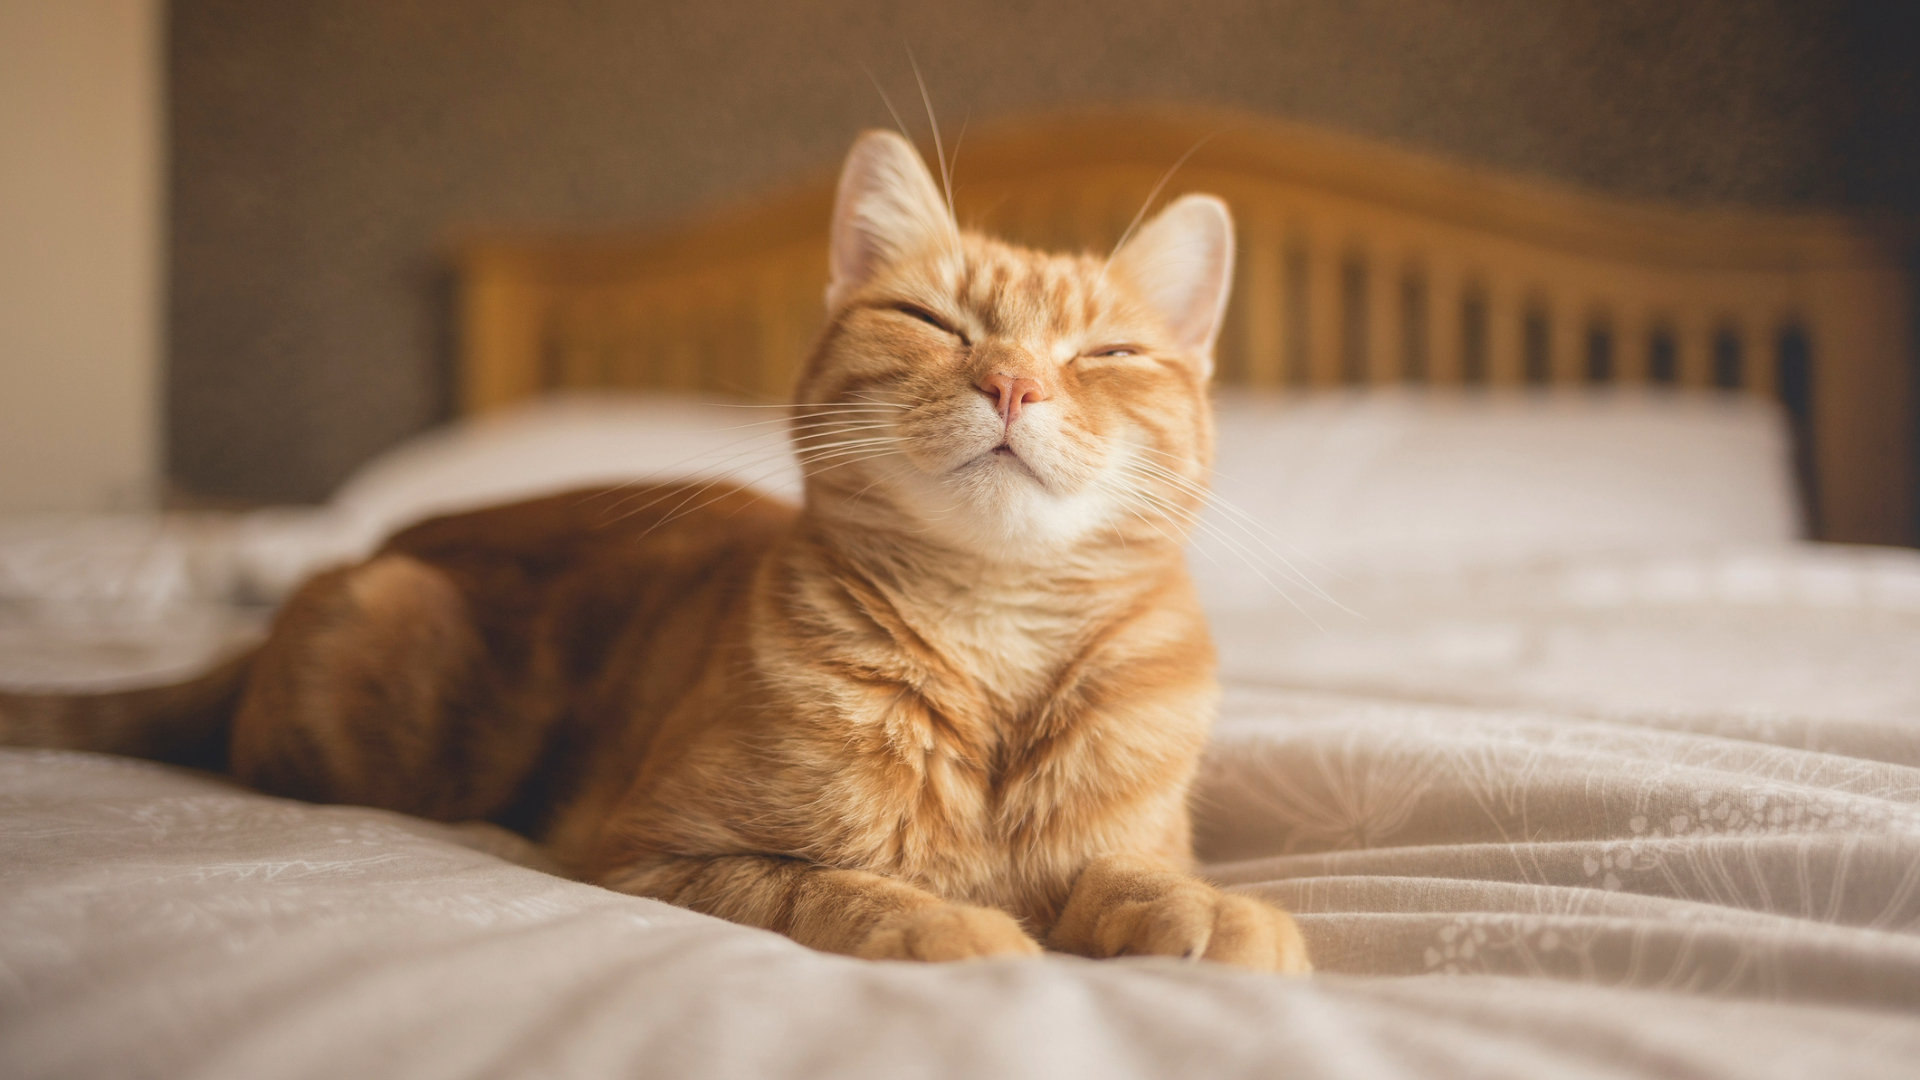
(183, 722)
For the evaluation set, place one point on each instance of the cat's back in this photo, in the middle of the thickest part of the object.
(545, 534)
(585, 566)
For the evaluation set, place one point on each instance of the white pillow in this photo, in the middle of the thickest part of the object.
(542, 447)
(1335, 483)
(1329, 483)
(1405, 479)
(571, 441)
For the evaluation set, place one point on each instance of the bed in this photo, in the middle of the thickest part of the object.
(1571, 754)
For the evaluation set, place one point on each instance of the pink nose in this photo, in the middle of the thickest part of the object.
(1010, 394)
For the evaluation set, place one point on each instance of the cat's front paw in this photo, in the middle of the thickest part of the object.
(1122, 908)
(947, 932)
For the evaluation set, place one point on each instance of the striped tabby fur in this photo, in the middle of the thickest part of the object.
(949, 708)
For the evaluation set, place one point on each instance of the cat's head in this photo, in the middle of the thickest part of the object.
(1007, 401)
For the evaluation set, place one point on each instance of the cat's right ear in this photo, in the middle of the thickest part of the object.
(888, 208)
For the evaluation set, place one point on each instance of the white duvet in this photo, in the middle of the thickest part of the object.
(1576, 814)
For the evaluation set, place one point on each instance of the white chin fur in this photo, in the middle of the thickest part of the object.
(1017, 508)
(994, 508)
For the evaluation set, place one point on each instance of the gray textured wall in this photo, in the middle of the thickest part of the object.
(321, 149)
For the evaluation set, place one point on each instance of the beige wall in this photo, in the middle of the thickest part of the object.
(323, 151)
(80, 231)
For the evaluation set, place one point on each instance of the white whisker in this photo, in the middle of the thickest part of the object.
(1291, 572)
(939, 152)
(898, 124)
(814, 418)
(1152, 195)
(800, 405)
(805, 426)
(666, 474)
(1248, 520)
(674, 487)
(1260, 571)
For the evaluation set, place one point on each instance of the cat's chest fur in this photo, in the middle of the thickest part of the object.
(986, 764)
(1008, 644)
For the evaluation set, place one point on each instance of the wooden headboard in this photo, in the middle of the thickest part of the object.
(1359, 264)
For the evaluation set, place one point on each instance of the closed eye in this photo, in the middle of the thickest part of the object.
(930, 319)
(1114, 350)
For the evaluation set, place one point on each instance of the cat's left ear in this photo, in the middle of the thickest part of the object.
(1182, 263)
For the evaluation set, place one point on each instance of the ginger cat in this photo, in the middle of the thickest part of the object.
(949, 708)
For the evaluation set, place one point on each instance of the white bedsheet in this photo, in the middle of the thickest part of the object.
(1592, 817)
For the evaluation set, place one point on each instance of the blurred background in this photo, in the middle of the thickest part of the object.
(223, 225)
